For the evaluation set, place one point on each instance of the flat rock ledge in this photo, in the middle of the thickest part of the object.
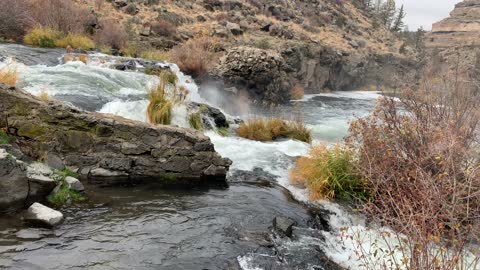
(106, 148)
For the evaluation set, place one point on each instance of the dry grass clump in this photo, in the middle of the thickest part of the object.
(158, 55)
(164, 28)
(75, 41)
(163, 98)
(44, 96)
(42, 37)
(195, 120)
(159, 110)
(9, 75)
(50, 38)
(329, 173)
(270, 129)
(420, 157)
(195, 56)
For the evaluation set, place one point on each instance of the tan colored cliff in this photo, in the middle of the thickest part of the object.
(461, 29)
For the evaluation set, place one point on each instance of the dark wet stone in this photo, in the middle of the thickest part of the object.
(283, 226)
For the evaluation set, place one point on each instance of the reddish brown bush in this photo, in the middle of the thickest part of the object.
(14, 18)
(164, 28)
(61, 15)
(195, 56)
(420, 156)
(111, 34)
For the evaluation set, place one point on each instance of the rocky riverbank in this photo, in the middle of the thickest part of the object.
(102, 148)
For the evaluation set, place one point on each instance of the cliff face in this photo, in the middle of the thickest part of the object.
(462, 28)
(322, 44)
(454, 43)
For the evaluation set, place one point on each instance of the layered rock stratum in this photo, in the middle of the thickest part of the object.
(461, 29)
(104, 148)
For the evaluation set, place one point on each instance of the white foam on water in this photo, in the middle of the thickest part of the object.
(273, 157)
(363, 95)
(245, 263)
(134, 110)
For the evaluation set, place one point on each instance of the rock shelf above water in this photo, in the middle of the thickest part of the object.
(105, 148)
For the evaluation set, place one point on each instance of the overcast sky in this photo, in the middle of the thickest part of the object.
(425, 12)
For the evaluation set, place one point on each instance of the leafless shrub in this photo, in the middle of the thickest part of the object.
(61, 15)
(111, 34)
(164, 28)
(420, 156)
(195, 56)
(99, 4)
(14, 18)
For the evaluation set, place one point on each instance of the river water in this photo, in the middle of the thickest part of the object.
(143, 227)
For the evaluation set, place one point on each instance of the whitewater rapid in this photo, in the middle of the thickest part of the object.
(123, 93)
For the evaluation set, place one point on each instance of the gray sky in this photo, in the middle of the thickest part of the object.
(425, 12)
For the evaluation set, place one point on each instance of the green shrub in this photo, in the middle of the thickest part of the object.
(75, 41)
(4, 137)
(42, 37)
(195, 120)
(329, 173)
(63, 195)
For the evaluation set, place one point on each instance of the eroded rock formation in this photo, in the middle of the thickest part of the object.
(104, 147)
(462, 28)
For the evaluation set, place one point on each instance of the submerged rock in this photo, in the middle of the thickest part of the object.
(105, 148)
(42, 215)
(283, 226)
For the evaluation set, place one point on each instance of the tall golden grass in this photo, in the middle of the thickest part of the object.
(159, 110)
(49, 38)
(270, 129)
(9, 75)
(329, 173)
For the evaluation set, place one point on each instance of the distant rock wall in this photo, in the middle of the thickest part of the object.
(462, 28)
(107, 148)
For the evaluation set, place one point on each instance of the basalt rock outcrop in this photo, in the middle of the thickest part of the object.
(461, 29)
(259, 72)
(267, 75)
(104, 148)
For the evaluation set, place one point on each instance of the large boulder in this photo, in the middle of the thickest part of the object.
(13, 182)
(104, 148)
(260, 72)
(42, 215)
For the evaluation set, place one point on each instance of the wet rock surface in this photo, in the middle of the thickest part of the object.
(96, 144)
(32, 56)
(13, 182)
(42, 215)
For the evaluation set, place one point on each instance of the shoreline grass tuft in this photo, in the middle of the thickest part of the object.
(329, 173)
(270, 129)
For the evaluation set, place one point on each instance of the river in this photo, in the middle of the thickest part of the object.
(143, 227)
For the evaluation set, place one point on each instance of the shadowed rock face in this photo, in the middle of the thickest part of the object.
(462, 28)
(106, 148)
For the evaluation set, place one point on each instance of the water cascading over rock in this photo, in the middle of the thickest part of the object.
(107, 148)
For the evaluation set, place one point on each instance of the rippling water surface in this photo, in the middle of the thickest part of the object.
(147, 228)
